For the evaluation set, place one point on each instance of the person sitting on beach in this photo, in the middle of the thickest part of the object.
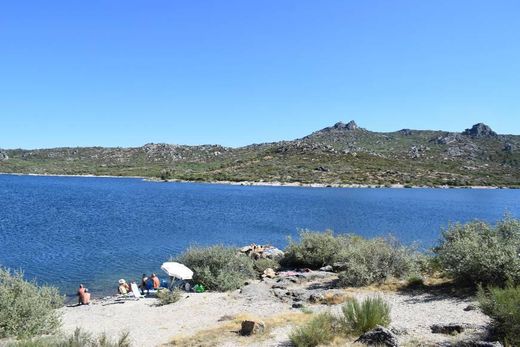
(123, 288)
(83, 295)
(144, 284)
(156, 281)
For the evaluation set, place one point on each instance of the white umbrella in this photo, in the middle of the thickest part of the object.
(177, 270)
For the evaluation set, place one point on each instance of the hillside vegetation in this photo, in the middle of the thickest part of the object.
(340, 154)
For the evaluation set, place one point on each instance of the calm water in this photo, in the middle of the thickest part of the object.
(67, 230)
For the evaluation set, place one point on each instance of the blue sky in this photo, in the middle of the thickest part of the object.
(124, 73)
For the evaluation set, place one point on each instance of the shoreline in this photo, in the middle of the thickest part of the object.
(265, 183)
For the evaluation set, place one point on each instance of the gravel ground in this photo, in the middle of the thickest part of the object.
(149, 325)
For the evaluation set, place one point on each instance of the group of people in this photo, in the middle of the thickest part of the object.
(147, 283)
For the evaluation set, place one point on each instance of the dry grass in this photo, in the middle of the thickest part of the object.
(335, 298)
(228, 330)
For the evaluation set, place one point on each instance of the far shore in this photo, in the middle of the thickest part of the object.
(266, 183)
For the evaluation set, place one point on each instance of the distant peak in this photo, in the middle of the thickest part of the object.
(479, 130)
(349, 126)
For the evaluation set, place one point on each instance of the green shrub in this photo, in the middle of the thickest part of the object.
(314, 249)
(374, 260)
(415, 281)
(218, 267)
(362, 317)
(476, 252)
(503, 306)
(167, 296)
(264, 263)
(27, 309)
(319, 330)
(79, 338)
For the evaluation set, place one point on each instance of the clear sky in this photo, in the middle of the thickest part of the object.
(124, 72)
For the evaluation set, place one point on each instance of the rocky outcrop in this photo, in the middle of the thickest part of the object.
(3, 156)
(448, 138)
(349, 126)
(479, 130)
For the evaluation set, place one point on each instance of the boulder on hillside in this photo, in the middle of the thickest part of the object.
(479, 130)
(3, 156)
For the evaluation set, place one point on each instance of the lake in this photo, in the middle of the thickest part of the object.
(70, 230)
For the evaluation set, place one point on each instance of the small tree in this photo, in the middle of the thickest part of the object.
(27, 309)
(477, 252)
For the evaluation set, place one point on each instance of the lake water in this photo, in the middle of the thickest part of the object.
(70, 230)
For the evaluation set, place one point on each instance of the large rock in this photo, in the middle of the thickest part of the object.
(479, 130)
(349, 126)
(250, 327)
(270, 273)
(379, 336)
(339, 266)
(3, 156)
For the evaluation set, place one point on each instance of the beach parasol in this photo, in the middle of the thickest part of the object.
(177, 270)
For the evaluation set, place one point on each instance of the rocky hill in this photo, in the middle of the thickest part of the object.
(339, 154)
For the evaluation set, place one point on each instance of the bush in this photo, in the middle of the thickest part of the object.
(27, 309)
(415, 281)
(476, 252)
(78, 339)
(503, 306)
(218, 268)
(319, 330)
(374, 261)
(314, 250)
(360, 318)
(263, 264)
(167, 296)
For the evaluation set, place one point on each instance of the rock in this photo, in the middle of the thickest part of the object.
(379, 336)
(486, 344)
(349, 126)
(479, 130)
(322, 169)
(298, 294)
(3, 156)
(449, 329)
(339, 266)
(245, 249)
(250, 327)
(298, 305)
(327, 268)
(269, 273)
(508, 147)
(406, 132)
(273, 253)
(316, 298)
(470, 308)
(448, 138)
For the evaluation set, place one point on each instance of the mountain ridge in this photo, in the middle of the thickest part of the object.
(343, 153)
